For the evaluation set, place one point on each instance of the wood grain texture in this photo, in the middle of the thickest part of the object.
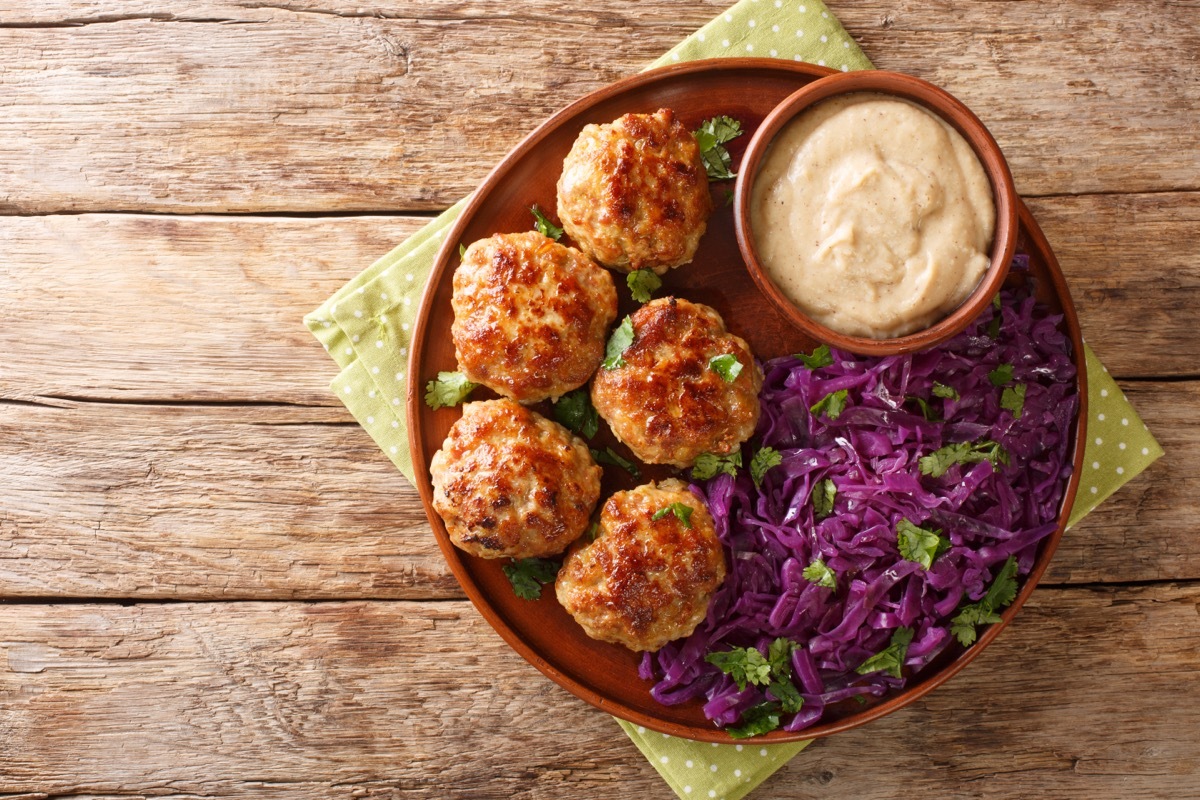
(421, 700)
(192, 502)
(116, 106)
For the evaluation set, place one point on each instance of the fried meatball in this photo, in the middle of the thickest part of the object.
(669, 403)
(530, 315)
(644, 581)
(634, 193)
(510, 483)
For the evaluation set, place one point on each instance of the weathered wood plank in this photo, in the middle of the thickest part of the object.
(424, 701)
(129, 501)
(208, 308)
(125, 106)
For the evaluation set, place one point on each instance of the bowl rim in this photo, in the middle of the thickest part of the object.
(947, 108)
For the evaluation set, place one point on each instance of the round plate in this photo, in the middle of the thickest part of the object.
(605, 675)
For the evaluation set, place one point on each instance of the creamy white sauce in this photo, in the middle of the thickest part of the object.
(873, 215)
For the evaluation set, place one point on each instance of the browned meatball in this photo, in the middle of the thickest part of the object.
(634, 193)
(509, 482)
(668, 403)
(530, 315)
(644, 581)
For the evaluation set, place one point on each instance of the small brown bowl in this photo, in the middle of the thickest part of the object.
(941, 104)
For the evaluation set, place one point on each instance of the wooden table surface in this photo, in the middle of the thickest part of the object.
(214, 584)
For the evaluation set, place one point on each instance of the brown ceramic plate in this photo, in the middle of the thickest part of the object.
(605, 675)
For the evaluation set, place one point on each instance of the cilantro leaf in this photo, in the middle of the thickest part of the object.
(822, 496)
(832, 404)
(708, 465)
(993, 328)
(574, 410)
(1013, 398)
(728, 197)
(926, 410)
(764, 460)
(618, 343)
(1000, 594)
(821, 357)
(744, 664)
(449, 389)
(817, 572)
(891, 659)
(712, 134)
(682, 512)
(609, 456)
(779, 656)
(642, 284)
(921, 545)
(996, 301)
(787, 694)
(1001, 375)
(592, 533)
(936, 463)
(727, 366)
(462, 249)
(543, 225)
(762, 718)
(942, 390)
(528, 574)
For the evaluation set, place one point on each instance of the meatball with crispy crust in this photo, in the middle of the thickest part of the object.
(634, 193)
(509, 482)
(669, 402)
(650, 573)
(530, 315)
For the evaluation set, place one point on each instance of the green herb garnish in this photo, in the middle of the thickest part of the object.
(528, 574)
(727, 366)
(926, 410)
(821, 357)
(1013, 398)
(618, 343)
(574, 410)
(936, 463)
(762, 718)
(820, 574)
(711, 137)
(744, 664)
(822, 496)
(891, 659)
(642, 284)
(1001, 375)
(609, 456)
(921, 545)
(832, 404)
(993, 328)
(682, 512)
(942, 390)
(708, 465)
(764, 460)
(450, 389)
(999, 594)
(462, 249)
(543, 225)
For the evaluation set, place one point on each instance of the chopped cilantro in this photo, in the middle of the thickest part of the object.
(682, 512)
(450, 389)
(993, 328)
(787, 694)
(1001, 375)
(528, 575)
(821, 357)
(618, 343)
(764, 460)
(832, 404)
(708, 465)
(762, 718)
(817, 572)
(921, 545)
(714, 133)
(779, 655)
(642, 284)
(543, 225)
(996, 301)
(592, 533)
(926, 410)
(822, 496)
(1013, 398)
(727, 366)
(729, 197)
(462, 249)
(942, 390)
(574, 410)
(891, 659)
(744, 664)
(999, 594)
(609, 456)
(936, 463)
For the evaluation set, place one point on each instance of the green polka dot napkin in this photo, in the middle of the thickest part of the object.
(365, 328)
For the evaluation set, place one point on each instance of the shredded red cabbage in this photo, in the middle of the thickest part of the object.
(871, 452)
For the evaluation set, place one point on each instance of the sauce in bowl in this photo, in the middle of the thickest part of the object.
(873, 215)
